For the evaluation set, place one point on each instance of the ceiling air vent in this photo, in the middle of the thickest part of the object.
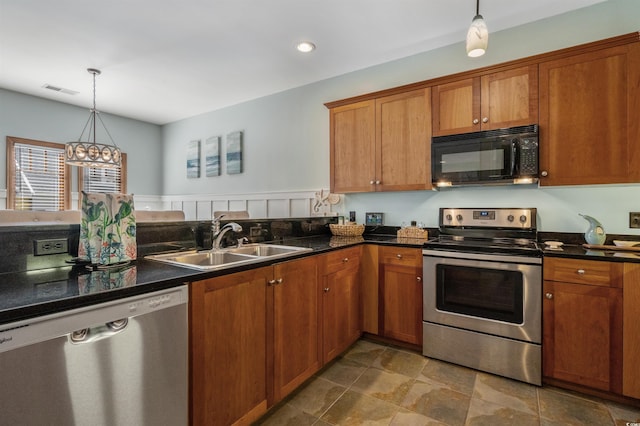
(60, 89)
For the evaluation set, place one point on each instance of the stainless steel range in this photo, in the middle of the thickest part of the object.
(482, 295)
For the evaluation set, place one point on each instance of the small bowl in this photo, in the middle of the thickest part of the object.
(554, 244)
(621, 243)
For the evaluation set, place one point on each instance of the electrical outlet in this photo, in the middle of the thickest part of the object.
(352, 216)
(53, 246)
(634, 219)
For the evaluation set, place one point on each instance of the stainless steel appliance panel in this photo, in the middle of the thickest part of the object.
(493, 354)
(530, 329)
(118, 363)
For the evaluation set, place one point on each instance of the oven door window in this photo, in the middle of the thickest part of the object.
(480, 292)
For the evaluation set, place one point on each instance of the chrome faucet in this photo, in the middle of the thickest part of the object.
(215, 225)
(217, 236)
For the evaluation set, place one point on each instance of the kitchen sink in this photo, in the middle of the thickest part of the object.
(266, 250)
(225, 258)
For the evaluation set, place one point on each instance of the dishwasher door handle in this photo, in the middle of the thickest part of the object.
(93, 334)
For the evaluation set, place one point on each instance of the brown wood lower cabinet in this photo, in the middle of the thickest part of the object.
(400, 294)
(582, 321)
(296, 325)
(254, 337)
(631, 331)
(228, 355)
(340, 283)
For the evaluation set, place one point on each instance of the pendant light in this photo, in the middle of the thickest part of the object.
(92, 153)
(478, 35)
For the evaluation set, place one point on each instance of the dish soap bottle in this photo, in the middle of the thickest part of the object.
(595, 233)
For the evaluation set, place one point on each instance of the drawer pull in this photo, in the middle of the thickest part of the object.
(345, 260)
(580, 271)
(549, 296)
(326, 289)
(399, 256)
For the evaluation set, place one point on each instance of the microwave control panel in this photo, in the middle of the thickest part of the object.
(528, 156)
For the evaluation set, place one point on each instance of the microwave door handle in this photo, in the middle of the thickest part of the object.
(514, 154)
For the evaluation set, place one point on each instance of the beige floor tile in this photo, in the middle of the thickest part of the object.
(354, 408)
(623, 414)
(343, 371)
(365, 352)
(557, 407)
(287, 415)
(317, 396)
(459, 379)
(506, 392)
(437, 402)
(484, 413)
(402, 362)
(410, 418)
(384, 385)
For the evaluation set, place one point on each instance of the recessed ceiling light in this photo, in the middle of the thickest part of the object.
(305, 46)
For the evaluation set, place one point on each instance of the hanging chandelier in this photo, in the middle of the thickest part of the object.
(92, 153)
(478, 35)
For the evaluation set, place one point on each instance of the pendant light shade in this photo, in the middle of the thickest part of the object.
(91, 153)
(478, 35)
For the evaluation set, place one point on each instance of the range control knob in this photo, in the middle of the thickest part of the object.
(449, 217)
(510, 218)
(523, 219)
(459, 218)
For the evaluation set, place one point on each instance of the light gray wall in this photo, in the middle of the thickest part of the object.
(31, 117)
(287, 134)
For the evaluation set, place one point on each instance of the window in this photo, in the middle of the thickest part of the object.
(37, 178)
(98, 179)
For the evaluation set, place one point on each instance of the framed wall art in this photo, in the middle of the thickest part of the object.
(193, 159)
(234, 153)
(212, 156)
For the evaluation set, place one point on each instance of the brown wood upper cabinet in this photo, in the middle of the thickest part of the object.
(500, 99)
(382, 144)
(589, 109)
(582, 322)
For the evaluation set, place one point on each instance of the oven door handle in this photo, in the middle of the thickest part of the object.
(492, 257)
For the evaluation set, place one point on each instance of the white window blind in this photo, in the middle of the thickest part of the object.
(96, 179)
(39, 177)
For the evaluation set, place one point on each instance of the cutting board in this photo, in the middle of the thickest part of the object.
(605, 247)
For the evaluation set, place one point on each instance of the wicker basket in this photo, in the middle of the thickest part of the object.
(346, 230)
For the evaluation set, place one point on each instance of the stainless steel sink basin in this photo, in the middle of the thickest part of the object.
(224, 258)
(266, 250)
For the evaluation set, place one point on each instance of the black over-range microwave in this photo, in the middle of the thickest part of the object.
(501, 156)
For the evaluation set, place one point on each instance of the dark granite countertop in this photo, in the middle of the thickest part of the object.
(577, 251)
(34, 293)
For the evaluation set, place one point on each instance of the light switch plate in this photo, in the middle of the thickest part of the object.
(634, 219)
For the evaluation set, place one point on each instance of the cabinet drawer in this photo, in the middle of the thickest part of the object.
(401, 256)
(578, 271)
(342, 259)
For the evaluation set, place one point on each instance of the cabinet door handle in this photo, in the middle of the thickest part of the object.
(549, 296)
(399, 256)
(419, 279)
(377, 182)
(485, 120)
(345, 260)
(326, 289)
(371, 182)
(271, 282)
(544, 173)
(476, 121)
(580, 271)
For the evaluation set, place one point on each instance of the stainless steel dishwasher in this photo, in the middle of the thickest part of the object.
(116, 363)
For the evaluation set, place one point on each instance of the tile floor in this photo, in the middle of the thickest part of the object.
(376, 384)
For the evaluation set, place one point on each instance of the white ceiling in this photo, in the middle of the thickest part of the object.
(165, 60)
